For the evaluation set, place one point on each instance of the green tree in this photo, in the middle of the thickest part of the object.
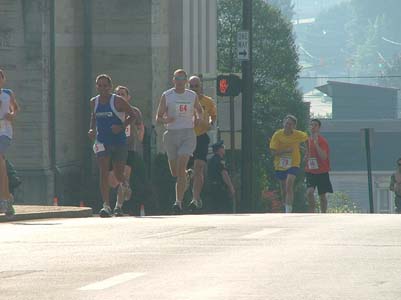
(326, 41)
(275, 71)
(371, 29)
(286, 7)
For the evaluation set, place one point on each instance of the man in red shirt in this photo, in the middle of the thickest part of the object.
(317, 167)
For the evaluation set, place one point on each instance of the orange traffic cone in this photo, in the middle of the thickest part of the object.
(142, 210)
(55, 201)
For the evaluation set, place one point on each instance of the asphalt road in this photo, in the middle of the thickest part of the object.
(214, 257)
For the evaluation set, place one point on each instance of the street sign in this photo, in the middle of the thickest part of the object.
(243, 45)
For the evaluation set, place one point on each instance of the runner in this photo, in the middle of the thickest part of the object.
(135, 136)
(285, 148)
(317, 167)
(202, 140)
(395, 186)
(8, 111)
(107, 130)
(177, 109)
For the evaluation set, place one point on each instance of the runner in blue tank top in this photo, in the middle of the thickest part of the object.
(110, 115)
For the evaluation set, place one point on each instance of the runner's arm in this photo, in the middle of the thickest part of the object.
(280, 152)
(14, 108)
(140, 127)
(92, 123)
(161, 115)
(320, 151)
(198, 109)
(213, 112)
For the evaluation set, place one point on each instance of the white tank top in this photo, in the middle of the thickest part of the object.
(180, 107)
(5, 101)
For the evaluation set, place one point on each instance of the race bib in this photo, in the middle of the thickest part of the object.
(285, 162)
(128, 130)
(183, 110)
(98, 147)
(312, 163)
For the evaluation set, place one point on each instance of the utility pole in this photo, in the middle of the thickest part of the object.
(247, 108)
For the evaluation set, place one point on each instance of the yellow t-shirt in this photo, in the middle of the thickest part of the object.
(281, 141)
(209, 111)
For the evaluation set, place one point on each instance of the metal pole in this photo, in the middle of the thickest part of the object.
(369, 167)
(247, 107)
(232, 144)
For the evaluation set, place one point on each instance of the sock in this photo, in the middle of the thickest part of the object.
(179, 203)
(288, 208)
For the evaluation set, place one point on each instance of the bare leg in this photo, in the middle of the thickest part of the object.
(310, 194)
(289, 190)
(119, 173)
(104, 163)
(4, 191)
(199, 167)
(282, 191)
(180, 186)
(323, 203)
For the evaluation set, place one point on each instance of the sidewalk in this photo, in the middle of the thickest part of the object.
(30, 212)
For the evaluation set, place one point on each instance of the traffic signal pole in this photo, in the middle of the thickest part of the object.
(247, 108)
(232, 144)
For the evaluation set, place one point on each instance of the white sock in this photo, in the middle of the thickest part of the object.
(179, 203)
(288, 209)
(120, 198)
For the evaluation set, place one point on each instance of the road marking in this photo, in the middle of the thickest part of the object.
(261, 233)
(110, 282)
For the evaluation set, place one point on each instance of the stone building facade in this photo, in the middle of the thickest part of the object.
(52, 50)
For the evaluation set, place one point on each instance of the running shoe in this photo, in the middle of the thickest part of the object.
(195, 206)
(118, 212)
(177, 210)
(105, 212)
(3, 206)
(10, 211)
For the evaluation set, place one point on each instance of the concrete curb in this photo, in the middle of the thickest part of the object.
(31, 212)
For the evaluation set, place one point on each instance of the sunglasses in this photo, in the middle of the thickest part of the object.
(180, 77)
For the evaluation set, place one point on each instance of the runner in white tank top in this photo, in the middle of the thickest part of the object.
(8, 110)
(179, 109)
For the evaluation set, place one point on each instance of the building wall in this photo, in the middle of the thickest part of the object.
(25, 57)
(139, 43)
(121, 32)
(70, 103)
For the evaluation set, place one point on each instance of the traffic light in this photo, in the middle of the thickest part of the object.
(228, 85)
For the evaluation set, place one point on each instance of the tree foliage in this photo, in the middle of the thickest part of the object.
(275, 71)
(357, 35)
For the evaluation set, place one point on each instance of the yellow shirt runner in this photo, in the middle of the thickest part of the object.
(281, 141)
(209, 111)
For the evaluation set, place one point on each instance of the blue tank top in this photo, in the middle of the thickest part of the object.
(106, 116)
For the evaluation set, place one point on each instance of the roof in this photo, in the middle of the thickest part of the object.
(327, 88)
